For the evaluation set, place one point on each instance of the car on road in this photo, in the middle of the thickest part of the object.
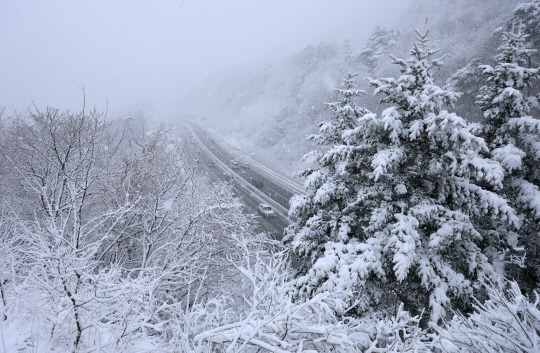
(235, 164)
(259, 183)
(266, 210)
(245, 165)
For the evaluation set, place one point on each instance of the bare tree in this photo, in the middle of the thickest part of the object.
(121, 239)
(61, 158)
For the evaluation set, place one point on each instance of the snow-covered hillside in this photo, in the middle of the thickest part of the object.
(270, 110)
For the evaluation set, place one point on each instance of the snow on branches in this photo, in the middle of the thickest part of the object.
(506, 322)
(399, 211)
(513, 133)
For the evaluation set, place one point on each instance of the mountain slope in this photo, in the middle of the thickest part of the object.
(270, 111)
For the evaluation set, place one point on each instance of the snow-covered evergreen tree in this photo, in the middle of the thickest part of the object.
(378, 46)
(467, 82)
(322, 212)
(345, 114)
(513, 134)
(348, 56)
(528, 14)
(394, 213)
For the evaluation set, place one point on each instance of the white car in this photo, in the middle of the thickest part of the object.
(266, 210)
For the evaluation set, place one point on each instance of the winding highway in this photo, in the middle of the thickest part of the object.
(217, 163)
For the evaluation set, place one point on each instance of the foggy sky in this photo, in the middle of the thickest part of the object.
(150, 52)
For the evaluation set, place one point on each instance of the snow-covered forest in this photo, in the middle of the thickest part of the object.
(418, 230)
(272, 105)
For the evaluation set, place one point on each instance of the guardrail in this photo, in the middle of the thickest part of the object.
(257, 194)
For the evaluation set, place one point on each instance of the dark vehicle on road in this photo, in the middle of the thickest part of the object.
(259, 183)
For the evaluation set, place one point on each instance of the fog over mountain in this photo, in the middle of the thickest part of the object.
(259, 176)
(132, 53)
(268, 109)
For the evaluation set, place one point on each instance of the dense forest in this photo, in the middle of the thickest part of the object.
(419, 228)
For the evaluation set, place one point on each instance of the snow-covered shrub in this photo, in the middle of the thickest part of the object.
(273, 321)
(118, 238)
(507, 322)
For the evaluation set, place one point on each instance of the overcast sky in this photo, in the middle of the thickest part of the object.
(132, 51)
